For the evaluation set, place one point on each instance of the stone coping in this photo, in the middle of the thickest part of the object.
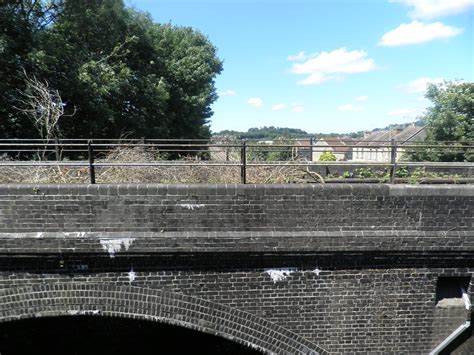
(235, 189)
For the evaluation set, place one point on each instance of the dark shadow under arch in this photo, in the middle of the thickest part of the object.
(79, 335)
(71, 299)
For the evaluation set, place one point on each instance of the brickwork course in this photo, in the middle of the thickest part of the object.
(285, 269)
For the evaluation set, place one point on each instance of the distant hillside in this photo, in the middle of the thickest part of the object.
(267, 133)
(272, 133)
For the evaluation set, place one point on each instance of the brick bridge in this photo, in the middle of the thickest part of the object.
(299, 269)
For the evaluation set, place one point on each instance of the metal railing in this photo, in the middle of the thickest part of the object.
(242, 154)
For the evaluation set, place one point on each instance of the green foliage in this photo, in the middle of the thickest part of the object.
(327, 156)
(369, 173)
(451, 118)
(365, 173)
(123, 73)
(402, 172)
(266, 152)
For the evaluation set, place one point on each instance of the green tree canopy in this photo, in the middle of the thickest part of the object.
(450, 118)
(123, 73)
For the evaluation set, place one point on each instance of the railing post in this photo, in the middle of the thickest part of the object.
(393, 160)
(243, 163)
(310, 148)
(56, 149)
(226, 150)
(90, 149)
(143, 141)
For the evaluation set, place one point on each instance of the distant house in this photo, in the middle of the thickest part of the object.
(376, 145)
(302, 149)
(337, 146)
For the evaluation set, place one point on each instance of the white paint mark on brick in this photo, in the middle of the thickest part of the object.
(191, 206)
(39, 235)
(278, 275)
(75, 234)
(131, 275)
(76, 312)
(317, 271)
(113, 246)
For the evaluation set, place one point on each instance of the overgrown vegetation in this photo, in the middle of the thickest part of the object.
(383, 175)
(166, 173)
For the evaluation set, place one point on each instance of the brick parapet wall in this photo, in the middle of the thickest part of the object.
(164, 208)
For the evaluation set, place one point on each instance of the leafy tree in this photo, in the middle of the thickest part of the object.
(122, 73)
(450, 118)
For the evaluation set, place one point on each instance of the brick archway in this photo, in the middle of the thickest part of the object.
(69, 299)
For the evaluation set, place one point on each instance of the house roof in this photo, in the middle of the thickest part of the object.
(409, 134)
(302, 142)
(337, 144)
(374, 138)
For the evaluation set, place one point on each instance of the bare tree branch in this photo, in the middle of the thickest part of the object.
(42, 105)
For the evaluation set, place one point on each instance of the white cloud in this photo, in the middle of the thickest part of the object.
(332, 65)
(255, 102)
(297, 108)
(419, 85)
(228, 93)
(436, 8)
(349, 108)
(278, 107)
(297, 57)
(362, 98)
(316, 79)
(418, 32)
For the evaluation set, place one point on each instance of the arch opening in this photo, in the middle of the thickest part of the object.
(89, 299)
(82, 334)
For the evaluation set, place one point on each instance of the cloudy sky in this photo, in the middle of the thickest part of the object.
(327, 65)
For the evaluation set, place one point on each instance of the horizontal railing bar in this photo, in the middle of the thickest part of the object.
(230, 163)
(314, 140)
(387, 147)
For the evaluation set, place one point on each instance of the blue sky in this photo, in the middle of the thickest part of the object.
(326, 65)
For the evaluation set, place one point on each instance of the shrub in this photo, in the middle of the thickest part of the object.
(327, 156)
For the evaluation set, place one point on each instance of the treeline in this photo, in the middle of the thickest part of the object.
(117, 72)
(275, 133)
(267, 133)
